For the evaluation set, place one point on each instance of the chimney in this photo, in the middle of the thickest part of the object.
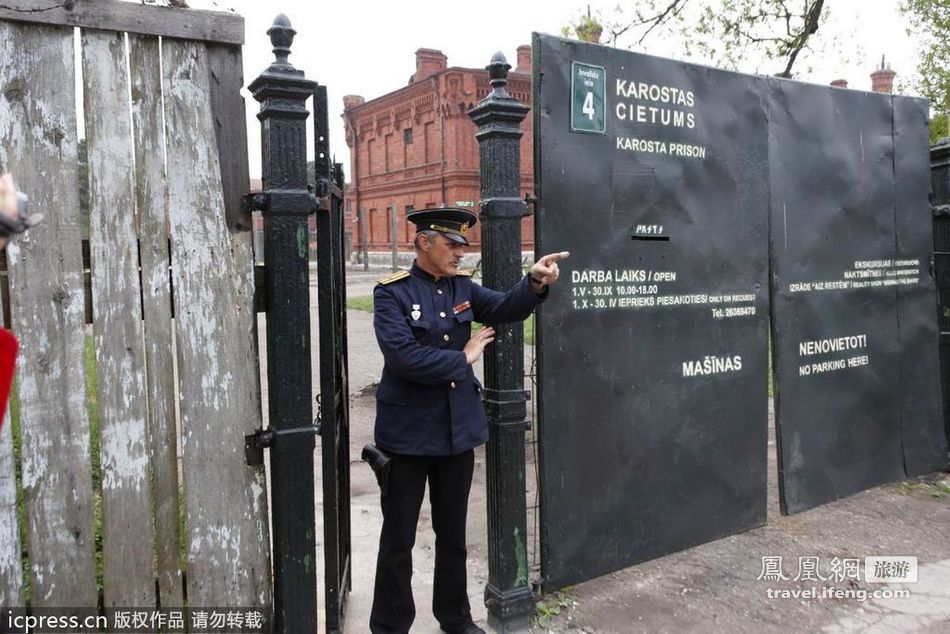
(882, 79)
(840, 83)
(352, 101)
(429, 61)
(524, 59)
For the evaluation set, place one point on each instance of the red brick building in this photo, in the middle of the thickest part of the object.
(415, 148)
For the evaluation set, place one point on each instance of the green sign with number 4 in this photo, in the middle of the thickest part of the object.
(588, 87)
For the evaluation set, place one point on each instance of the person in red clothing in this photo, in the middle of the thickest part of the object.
(11, 223)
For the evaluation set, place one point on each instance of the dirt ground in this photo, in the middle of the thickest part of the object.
(710, 588)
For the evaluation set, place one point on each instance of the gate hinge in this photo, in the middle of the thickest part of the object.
(530, 204)
(255, 201)
(505, 396)
(281, 202)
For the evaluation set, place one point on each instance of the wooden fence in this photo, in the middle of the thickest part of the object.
(158, 443)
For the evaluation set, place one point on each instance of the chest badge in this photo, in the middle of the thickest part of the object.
(461, 308)
(416, 313)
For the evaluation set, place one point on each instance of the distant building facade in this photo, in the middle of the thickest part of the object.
(415, 148)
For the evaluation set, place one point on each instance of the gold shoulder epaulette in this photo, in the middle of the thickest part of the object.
(393, 277)
(465, 273)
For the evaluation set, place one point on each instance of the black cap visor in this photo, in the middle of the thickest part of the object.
(454, 237)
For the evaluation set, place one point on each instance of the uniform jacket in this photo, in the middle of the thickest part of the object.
(429, 402)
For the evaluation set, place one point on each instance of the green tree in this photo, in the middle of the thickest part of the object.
(930, 20)
(729, 33)
(586, 29)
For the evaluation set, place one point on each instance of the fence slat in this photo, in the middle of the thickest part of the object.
(225, 506)
(38, 143)
(128, 578)
(230, 125)
(150, 191)
(113, 15)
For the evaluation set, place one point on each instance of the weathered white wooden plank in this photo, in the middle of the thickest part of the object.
(225, 508)
(128, 574)
(150, 192)
(38, 144)
(230, 125)
(113, 15)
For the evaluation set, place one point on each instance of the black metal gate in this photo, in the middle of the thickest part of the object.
(940, 197)
(652, 348)
(333, 402)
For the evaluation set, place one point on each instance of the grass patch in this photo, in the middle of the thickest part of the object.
(549, 607)
(362, 302)
(936, 489)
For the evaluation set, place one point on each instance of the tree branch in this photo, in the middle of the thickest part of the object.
(808, 29)
(674, 7)
(661, 17)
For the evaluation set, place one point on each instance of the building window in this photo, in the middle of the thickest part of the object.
(387, 148)
(407, 136)
(409, 225)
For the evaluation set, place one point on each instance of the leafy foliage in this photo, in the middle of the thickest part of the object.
(729, 33)
(587, 29)
(930, 20)
(550, 607)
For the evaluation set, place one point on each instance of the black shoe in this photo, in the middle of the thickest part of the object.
(471, 628)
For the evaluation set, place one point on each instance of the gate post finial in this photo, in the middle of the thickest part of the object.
(498, 73)
(281, 38)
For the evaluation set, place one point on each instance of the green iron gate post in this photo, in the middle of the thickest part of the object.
(498, 117)
(286, 204)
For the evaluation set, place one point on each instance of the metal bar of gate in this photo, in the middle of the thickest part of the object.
(940, 199)
(334, 412)
(343, 384)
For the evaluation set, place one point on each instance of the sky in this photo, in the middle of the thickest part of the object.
(368, 47)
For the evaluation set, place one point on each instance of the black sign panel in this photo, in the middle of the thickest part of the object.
(653, 346)
(854, 314)
(922, 436)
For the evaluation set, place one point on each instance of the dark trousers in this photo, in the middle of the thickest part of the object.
(450, 480)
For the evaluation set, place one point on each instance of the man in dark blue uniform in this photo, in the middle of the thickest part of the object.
(429, 414)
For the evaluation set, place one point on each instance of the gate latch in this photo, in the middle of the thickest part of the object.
(254, 444)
